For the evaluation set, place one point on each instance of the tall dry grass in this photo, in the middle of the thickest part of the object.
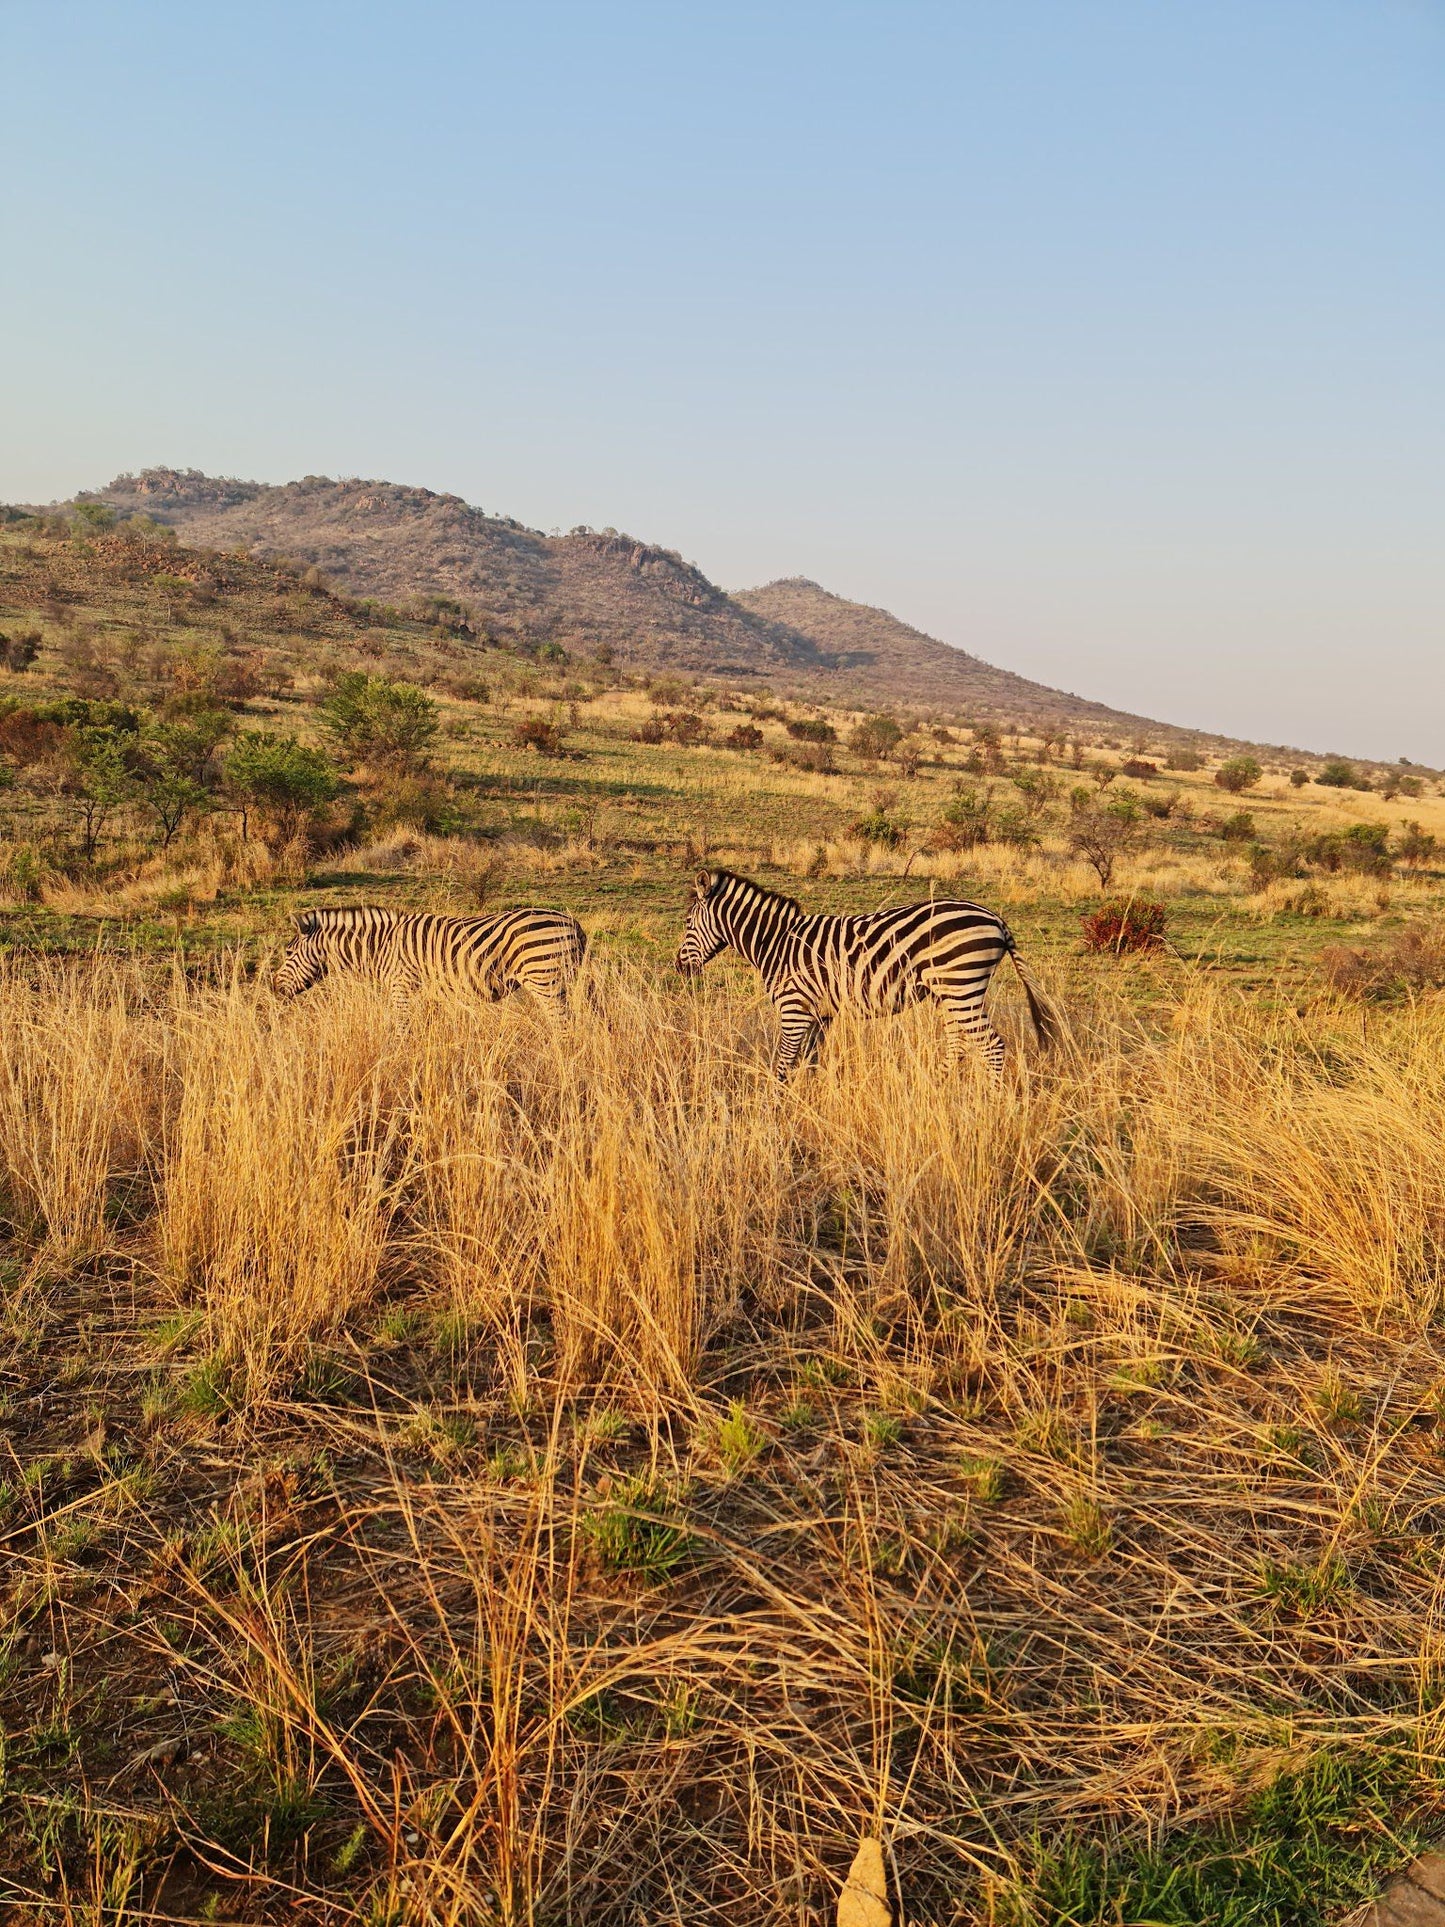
(1004, 1458)
(79, 1104)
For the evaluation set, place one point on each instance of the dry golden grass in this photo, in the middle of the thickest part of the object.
(625, 1482)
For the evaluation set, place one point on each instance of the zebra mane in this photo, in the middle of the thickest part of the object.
(337, 915)
(743, 889)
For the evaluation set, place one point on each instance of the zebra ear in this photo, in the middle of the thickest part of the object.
(704, 882)
(305, 923)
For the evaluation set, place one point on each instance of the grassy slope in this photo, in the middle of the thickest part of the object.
(461, 1465)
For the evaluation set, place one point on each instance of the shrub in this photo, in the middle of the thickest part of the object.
(874, 737)
(538, 733)
(1298, 778)
(1037, 787)
(1362, 847)
(1338, 775)
(816, 757)
(1409, 963)
(1238, 828)
(965, 823)
(1125, 923)
(1267, 865)
(745, 736)
(1160, 807)
(1239, 773)
(1184, 759)
(18, 652)
(378, 720)
(1138, 769)
(810, 730)
(682, 727)
(877, 827)
(1415, 846)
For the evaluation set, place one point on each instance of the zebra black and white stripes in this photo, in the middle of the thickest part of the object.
(536, 950)
(813, 967)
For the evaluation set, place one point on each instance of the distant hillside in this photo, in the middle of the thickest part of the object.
(591, 591)
(869, 647)
(584, 590)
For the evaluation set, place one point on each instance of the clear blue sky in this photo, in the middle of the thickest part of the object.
(1105, 338)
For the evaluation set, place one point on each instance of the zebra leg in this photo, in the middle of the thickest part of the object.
(401, 987)
(968, 1028)
(801, 1031)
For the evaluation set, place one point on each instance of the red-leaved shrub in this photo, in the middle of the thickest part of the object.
(1125, 923)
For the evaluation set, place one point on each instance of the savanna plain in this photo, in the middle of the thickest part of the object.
(471, 1464)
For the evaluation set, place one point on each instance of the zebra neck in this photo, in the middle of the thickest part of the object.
(756, 928)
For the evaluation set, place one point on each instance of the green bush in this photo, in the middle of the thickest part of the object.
(875, 737)
(377, 720)
(1338, 775)
(1239, 773)
(280, 779)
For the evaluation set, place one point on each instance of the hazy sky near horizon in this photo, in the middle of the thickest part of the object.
(1104, 338)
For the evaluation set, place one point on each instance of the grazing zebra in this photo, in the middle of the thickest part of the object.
(813, 966)
(536, 950)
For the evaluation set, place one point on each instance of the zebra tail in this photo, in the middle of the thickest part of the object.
(1046, 1024)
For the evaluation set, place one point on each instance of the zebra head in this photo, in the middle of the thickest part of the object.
(305, 961)
(705, 934)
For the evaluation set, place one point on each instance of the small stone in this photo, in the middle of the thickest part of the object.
(168, 1752)
(864, 1899)
(1429, 1872)
(50, 1661)
(1406, 1906)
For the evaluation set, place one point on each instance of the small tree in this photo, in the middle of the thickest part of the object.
(96, 778)
(1101, 831)
(908, 752)
(280, 779)
(166, 786)
(1238, 774)
(1298, 778)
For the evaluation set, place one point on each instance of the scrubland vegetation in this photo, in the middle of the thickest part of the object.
(482, 1464)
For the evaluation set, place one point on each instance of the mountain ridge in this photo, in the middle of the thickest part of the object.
(601, 591)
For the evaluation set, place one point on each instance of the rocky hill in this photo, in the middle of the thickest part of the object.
(869, 648)
(595, 590)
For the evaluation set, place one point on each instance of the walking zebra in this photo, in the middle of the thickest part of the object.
(536, 950)
(814, 966)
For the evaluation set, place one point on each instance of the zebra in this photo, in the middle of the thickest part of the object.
(536, 950)
(812, 967)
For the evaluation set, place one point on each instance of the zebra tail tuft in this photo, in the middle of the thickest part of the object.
(1046, 1024)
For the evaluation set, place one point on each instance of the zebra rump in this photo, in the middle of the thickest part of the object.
(536, 950)
(814, 966)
